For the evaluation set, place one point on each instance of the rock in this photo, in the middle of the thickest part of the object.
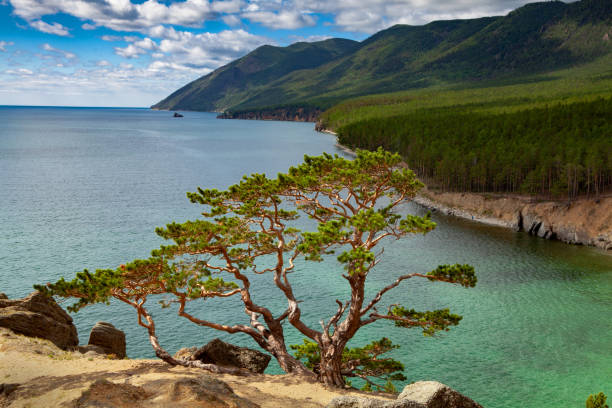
(422, 394)
(432, 394)
(109, 338)
(177, 115)
(185, 353)
(37, 315)
(91, 350)
(356, 402)
(204, 391)
(224, 354)
(3, 296)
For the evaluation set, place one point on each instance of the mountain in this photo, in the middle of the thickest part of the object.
(534, 39)
(236, 81)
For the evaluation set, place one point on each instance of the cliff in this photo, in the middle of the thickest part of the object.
(299, 114)
(583, 221)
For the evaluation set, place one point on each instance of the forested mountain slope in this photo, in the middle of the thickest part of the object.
(534, 39)
(232, 83)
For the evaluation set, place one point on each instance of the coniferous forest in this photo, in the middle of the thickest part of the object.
(558, 151)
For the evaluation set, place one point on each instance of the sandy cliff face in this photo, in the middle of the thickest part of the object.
(585, 222)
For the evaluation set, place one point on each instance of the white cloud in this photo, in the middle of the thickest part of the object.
(374, 15)
(122, 15)
(231, 20)
(228, 6)
(206, 51)
(19, 71)
(55, 28)
(350, 15)
(287, 20)
(111, 38)
(131, 51)
(311, 38)
(57, 52)
(103, 63)
(123, 85)
(4, 44)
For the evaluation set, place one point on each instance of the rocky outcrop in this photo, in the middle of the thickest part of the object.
(38, 315)
(432, 394)
(204, 391)
(584, 221)
(108, 338)
(422, 394)
(224, 354)
(292, 114)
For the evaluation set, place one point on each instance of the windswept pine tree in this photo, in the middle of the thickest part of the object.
(248, 232)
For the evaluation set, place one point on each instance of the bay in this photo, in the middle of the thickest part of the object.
(85, 188)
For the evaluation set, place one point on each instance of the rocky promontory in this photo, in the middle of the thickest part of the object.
(37, 372)
(297, 114)
(581, 221)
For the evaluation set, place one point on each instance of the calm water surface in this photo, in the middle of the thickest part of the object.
(85, 188)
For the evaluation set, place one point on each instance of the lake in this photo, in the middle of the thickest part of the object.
(86, 187)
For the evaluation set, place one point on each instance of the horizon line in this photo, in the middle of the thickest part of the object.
(74, 106)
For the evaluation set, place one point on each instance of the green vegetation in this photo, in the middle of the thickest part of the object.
(248, 232)
(362, 362)
(597, 401)
(550, 136)
(538, 38)
(559, 150)
(230, 84)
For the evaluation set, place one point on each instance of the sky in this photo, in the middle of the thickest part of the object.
(136, 52)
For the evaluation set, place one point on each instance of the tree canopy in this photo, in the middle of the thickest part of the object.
(250, 229)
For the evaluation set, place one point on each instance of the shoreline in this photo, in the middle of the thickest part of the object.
(581, 222)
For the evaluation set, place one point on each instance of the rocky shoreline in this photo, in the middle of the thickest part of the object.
(580, 222)
(282, 114)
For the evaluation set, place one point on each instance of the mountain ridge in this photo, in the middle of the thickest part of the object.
(536, 38)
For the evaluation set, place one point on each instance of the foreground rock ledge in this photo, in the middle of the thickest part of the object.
(38, 315)
(422, 394)
(110, 339)
(228, 355)
(36, 373)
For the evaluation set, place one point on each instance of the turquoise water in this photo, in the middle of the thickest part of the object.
(87, 187)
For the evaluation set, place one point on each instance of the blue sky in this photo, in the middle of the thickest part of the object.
(136, 52)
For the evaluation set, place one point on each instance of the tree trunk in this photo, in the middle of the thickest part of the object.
(330, 368)
(290, 364)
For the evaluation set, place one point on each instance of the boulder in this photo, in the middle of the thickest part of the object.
(185, 353)
(432, 394)
(108, 338)
(349, 401)
(38, 315)
(422, 394)
(224, 354)
(90, 349)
